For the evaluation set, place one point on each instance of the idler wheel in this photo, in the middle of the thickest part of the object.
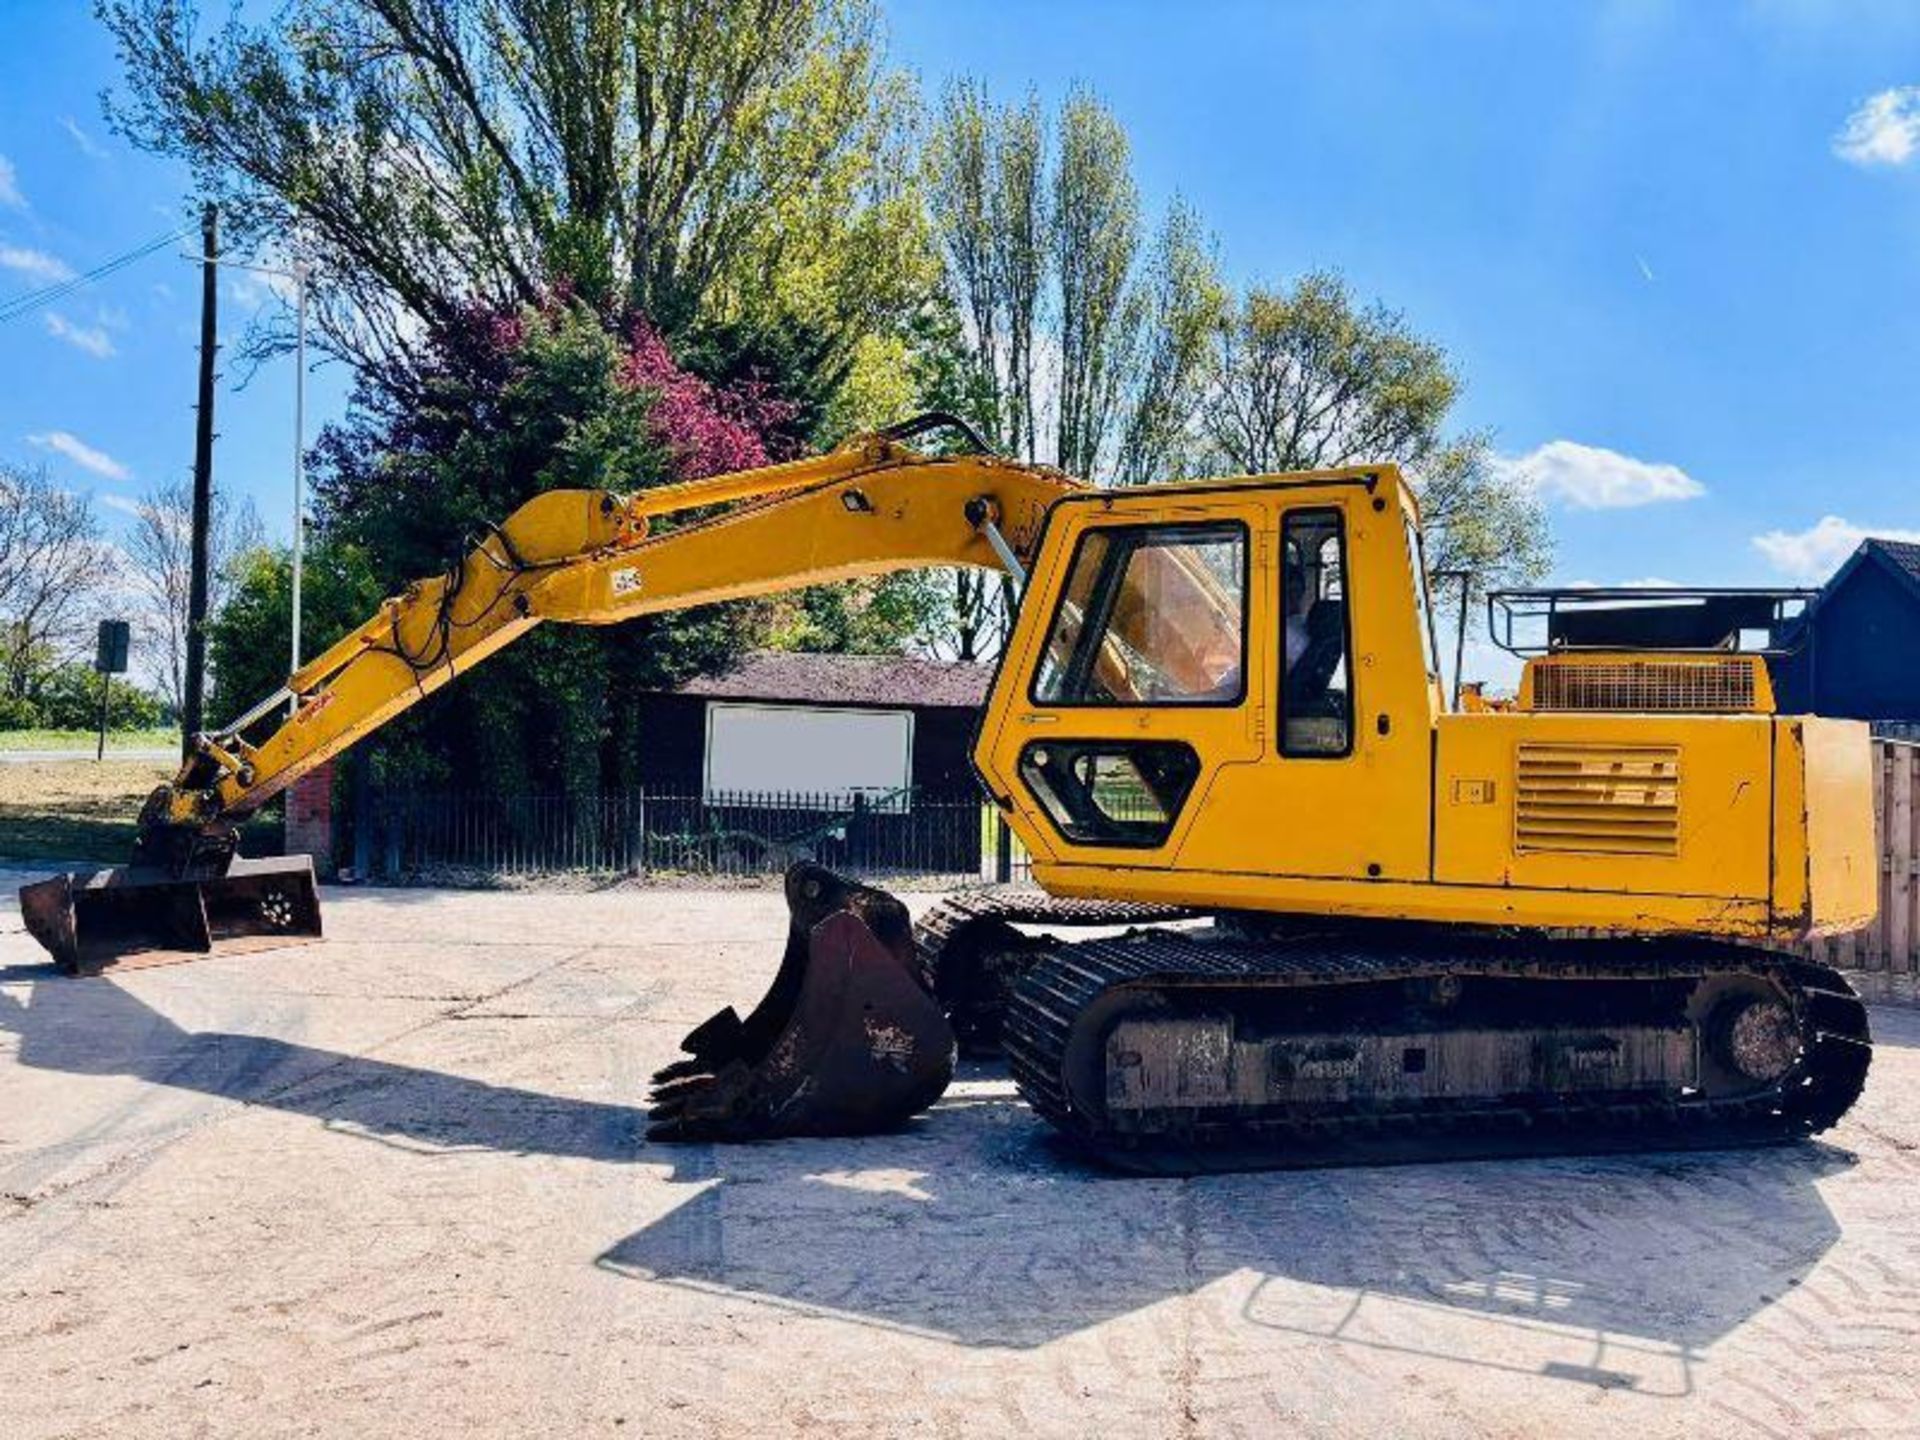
(1759, 1038)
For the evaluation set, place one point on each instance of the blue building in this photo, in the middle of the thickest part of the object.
(1857, 653)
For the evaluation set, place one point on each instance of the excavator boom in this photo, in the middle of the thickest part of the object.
(568, 556)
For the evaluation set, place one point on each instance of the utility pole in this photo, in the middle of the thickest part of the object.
(194, 717)
(300, 275)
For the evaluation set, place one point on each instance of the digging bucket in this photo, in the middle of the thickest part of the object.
(132, 916)
(848, 1041)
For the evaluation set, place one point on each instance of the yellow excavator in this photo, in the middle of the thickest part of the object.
(1328, 918)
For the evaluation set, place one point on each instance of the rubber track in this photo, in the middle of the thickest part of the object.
(1057, 991)
(950, 921)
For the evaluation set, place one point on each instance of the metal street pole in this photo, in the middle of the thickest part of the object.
(299, 459)
(1460, 636)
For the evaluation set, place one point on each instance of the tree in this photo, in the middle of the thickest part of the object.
(1305, 379)
(1095, 232)
(883, 616)
(691, 159)
(247, 639)
(1052, 335)
(510, 404)
(1018, 207)
(1082, 349)
(54, 569)
(159, 551)
(1180, 302)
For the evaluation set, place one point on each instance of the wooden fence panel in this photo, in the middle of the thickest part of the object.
(1890, 946)
(1899, 849)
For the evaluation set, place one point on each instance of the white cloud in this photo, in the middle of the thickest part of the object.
(253, 289)
(1885, 130)
(1816, 552)
(10, 195)
(34, 264)
(81, 454)
(93, 339)
(89, 147)
(122, 504)
(1588, 477)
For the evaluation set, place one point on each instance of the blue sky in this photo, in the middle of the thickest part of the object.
(1670, 272)
(99, 387)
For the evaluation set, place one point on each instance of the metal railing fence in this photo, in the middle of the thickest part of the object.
(639, 832)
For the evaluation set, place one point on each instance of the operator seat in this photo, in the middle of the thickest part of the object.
(1312, 673)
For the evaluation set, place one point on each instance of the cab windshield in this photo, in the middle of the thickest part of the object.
(1150, 615)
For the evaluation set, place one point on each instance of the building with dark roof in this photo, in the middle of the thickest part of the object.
(1857, 653)
(835, 725)
(886, 680)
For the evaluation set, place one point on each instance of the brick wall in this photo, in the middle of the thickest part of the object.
(310, 818)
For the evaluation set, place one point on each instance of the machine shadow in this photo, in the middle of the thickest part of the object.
(96, 1027)
(976, 1226)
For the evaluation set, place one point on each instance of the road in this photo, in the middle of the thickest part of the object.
(394, 1184)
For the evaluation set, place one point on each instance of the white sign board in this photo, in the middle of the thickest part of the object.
(826, 756)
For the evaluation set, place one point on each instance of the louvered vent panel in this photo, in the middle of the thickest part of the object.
(1597, 800)
(1686, 685)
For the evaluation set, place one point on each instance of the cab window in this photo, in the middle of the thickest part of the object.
(1150, 615)
(1316, 701)
(1111, 792)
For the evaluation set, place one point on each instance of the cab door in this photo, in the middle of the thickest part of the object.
(1133, 676)
(1342, 788)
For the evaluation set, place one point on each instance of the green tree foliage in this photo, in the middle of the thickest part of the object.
(879, 617)
(1095, 236)
(67, 697)
(693, 159)
(1179, 302)
(510, 405)
(247, 639)
(1306, 378)
(1083, 344)
(1056, 335)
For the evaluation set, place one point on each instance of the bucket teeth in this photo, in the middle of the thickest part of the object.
(678, 1070)
(847, 1041)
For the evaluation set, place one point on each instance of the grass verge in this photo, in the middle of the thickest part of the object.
(28, 741)
(83, 810)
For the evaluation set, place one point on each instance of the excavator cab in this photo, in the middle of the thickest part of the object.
(1194, 665)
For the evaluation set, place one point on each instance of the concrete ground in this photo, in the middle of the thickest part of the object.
(394, 1184)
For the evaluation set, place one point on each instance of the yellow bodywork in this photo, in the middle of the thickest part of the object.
(1746, 824)
(1738, 824)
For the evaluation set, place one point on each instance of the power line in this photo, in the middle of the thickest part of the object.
(21, 304)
